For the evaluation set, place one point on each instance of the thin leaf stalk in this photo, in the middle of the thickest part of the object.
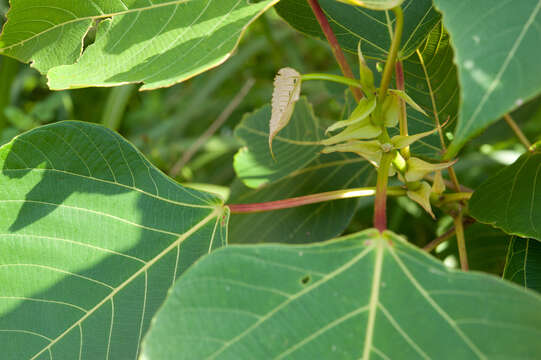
(461, 241)
(455, 197)
(380, 203)
(333, 78)
(335, 47)
(310, 199)
(518, 132)
(445, 236)
(393, 52)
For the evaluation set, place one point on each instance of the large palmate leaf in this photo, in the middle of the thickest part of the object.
(511, 199)
(367, 296)
(352, 24)
(523, 264)
(294, 147)
(308, 223)
(497, 50)
(91, 238)
(158, 43)
(431, 81)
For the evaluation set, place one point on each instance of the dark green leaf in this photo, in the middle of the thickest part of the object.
(362, 296)
(431, 70)
(295, 147)
(523, 264)
(352, 24)
(92, 236)
(511, 199)
(486, 248)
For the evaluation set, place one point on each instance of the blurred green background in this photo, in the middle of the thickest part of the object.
(167, 124)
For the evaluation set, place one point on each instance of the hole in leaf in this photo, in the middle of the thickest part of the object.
(305, 279)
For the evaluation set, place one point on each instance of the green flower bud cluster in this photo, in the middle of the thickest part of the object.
(365, 134)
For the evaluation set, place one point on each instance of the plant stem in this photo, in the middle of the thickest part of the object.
(459, 196)
(516, 129)
(434, 243)
(116, 104)
(461, 242)
(330, 77)
(309, 199)
(380, 203)
(403, 120)
(335, 47)
(449, 233)
(393, 52)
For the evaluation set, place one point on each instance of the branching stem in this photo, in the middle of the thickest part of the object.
(310, 199)
(335, 47)
(516, 129)
(380, 203)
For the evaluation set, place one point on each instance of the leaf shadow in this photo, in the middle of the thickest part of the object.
(82, 232)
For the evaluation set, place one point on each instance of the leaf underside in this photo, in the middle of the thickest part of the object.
(157, 43)
(92, 236)
(365, 295)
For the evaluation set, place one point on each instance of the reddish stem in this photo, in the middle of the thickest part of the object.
(335, 47)
(309, 199)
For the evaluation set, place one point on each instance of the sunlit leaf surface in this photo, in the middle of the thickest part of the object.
(91, 238)
(157, 43)
(364, 296)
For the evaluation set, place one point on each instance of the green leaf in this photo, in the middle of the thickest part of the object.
(352, 24)
(431, 71)
(366, 295)
(295, 147)
(523, 264)
(92, 236)
(498, 65)
(309, 223)
(511, 199)
(158, 43)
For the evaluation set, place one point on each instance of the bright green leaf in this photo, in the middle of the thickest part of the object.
(352, 23)
(374, 4)
(158, 43)
(497, 50)
(92, 236)
(523, 264)
(511, 199)
(309, 223)
(295, 147)
(362, 296)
